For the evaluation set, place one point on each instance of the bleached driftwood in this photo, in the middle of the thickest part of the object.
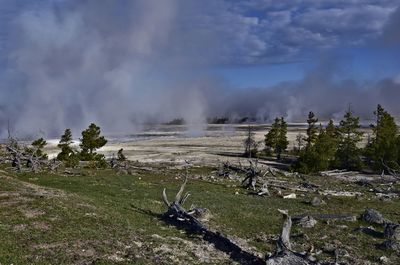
(284, 255)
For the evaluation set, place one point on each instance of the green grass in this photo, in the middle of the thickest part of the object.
(98, 215)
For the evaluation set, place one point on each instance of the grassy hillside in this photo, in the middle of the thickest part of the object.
(101, 217)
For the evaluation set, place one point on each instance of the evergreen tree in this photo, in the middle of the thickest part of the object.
(348, 153)
(120, 155)
(250, 144)
(271, 137)
(382, 149)
(319, 156)
(276, 138)
(312, 129)
(36, 148)
(326, 147)
(398, 150)
(282, 139)
(65, 145)
(90, 141)
(67, 154)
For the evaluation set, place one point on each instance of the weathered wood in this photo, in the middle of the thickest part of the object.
(264, 190)
(322, 216)
(181, 218)
(392, 231)
(283, 254)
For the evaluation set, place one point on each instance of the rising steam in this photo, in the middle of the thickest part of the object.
(74, 62)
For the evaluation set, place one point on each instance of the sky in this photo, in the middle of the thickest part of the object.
(121, 64)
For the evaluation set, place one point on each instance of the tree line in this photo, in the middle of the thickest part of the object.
(90, 141)
(336, 146)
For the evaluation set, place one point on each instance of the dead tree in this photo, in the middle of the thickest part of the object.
(252, 173)
(393, 172)
(186, 219)
(284, 255)
(17, 156)
(224, 169)
(178, 214)
(182, 218)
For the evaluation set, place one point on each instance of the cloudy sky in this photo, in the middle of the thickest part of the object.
(65, 63)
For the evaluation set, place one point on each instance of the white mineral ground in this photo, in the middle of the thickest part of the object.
(174, 144)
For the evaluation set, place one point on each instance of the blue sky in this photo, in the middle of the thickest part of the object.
(359, 63)
(64, 63)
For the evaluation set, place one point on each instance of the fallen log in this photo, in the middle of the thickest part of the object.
(336, 217)
(178, 216)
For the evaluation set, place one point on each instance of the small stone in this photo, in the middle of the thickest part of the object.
(329, 248)
(373, 216)
(383, 259)
(290, 196)
(317, 201)
(307, 221)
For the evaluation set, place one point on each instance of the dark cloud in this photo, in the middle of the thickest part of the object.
(391, 32)
(68, 63)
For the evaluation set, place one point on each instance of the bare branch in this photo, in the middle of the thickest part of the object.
(165, 198)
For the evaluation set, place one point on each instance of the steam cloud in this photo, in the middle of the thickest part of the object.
(74, 62)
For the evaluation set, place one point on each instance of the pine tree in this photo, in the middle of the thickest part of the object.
(382, 148)
(312, 129)
(36, 148)
(276, 139)
(326, 146)
(65, 146)
(90, 141)
(283, 142)
(250, 145)
(348, 153)
(271, 138)
(319, 156)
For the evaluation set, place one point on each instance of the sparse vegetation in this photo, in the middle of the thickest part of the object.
(120, 155)
(177, 121)
(348, 153)
(276, 139)
(382, 149)
(36, 148)
(90, 142)
(67, 154)
(250, 144)
(63, 215)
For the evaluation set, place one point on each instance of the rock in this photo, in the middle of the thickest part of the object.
(317, 201)
(390, 244)
(383, 259)
(290, 196)
(329, 248)
(370, 231)
(373, 216)
(264, 190)
(307, 221)
(287, 258)
(201, 213)
(392, 231)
